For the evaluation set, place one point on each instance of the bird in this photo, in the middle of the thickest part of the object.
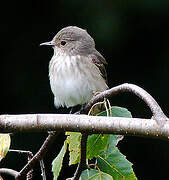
(76, 69)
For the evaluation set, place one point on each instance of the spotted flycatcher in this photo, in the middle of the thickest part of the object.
(76, 70)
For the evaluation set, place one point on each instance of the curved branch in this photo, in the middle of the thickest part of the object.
(157, 112)
(10, 172)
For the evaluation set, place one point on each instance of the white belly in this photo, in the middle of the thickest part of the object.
(74, 84)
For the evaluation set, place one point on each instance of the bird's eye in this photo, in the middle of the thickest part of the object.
(63, 43)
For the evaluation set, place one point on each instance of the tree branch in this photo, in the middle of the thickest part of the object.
(82, 123)
(30, 156)
(39, 155)
(9, 172)
(158, 114)
(42, 166)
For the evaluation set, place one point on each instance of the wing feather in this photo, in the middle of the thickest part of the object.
(100, 62)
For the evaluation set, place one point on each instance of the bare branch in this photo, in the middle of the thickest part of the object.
(30, 155)
(158, 114)
(82, 123)
(21, 151)
(10, 172)
(42, 166)
(29, 175)
(38, 156)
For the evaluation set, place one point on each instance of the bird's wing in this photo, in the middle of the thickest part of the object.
(100, 62)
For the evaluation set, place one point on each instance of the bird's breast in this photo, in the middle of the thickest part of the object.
(73, 80)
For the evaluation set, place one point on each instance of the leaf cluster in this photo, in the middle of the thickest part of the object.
(110, 163)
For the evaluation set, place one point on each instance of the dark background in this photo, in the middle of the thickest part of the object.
(132, 35)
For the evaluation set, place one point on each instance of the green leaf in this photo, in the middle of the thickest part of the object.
(73, 140)
(103, 147)
(96, 143)
(116, 111)
(57, 162)
(112, 162)
(93, 174)
(5, 142)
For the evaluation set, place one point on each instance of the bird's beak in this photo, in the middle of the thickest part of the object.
(51, 43)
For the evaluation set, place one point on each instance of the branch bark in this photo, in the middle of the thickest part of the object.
(10, 172)
(82, 123)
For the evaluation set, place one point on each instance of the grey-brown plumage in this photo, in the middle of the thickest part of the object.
(76, 70)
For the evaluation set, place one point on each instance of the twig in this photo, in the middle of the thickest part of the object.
(158, 114)
(29, 175)
(10, 172)
(39, 155)
(42, 166)
(82, 165)
(30, 155)
(21, 151)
